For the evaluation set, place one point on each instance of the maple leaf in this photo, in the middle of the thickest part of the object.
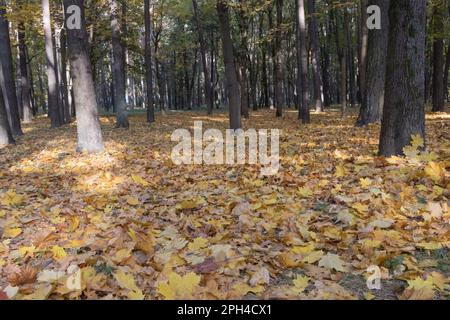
(435, 171)
(333, 261)
(179, 287)
(122, 255)
(300, 284)
(139, 180)
(197, 244)
(58, 253)
(12, 232)
(10, 198)
(305, 192)
(127, 281)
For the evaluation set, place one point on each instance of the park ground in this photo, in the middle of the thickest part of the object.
(140, 227)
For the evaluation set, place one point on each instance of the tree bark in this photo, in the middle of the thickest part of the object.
(88, 127)
(24, 77)
(373, 94)
(438, 57)
(234, 102)
(206, 73)
(315, 56)
(53, 99)
(148, 63)
(7, 81)
(364, 42)
(118, 66)
(6, 136)
(404, 108)
(302, 63)
(446, 72)
(63, 77)
(278, 75)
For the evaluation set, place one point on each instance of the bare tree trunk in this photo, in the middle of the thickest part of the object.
(118, 65)
(278, 81)
(206, 73)
(88, 127)
(230, 67)
(315, 56)
(364, 36)
(373, 94)
(6, 136)
(63, 77)
(7, 82)
(446, 72)
(24, 77)
(53, 89)
(148, 63)
(302, 63)
(439, 12)
(404, 108)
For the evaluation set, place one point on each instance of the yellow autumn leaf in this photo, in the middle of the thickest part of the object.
(126, 280)
(365, 182)
(139, 180)
(197, 244)
(360, 208)
(11, 198)
(136, 295)
(74, 223)
(242, 289)
(340, 172)
(122, 255)
(12, 232)
(24, 251)
(187, 205)
(300, 284)
(435, 171)
(333, 261)
(305, 192)
(417, 141)
(132, 201)
(429, 245)
(58, 253)
(313, 257)
(179, 287)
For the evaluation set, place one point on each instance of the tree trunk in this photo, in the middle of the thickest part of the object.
(88, 127)
(148, 63)
(63, 73)
(53, 89)
(302, 63)
(315, 56)
(6, 136)
(234, 102)
(118, 66)
(446, 72)
(364, 40)
(7, 81)
(278, 75)
(404, 108)
(206, 73)
(373, 95)
(438, 57)
(24, 78)
(244, 64)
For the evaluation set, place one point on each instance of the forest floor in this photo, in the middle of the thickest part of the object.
(140, 227)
